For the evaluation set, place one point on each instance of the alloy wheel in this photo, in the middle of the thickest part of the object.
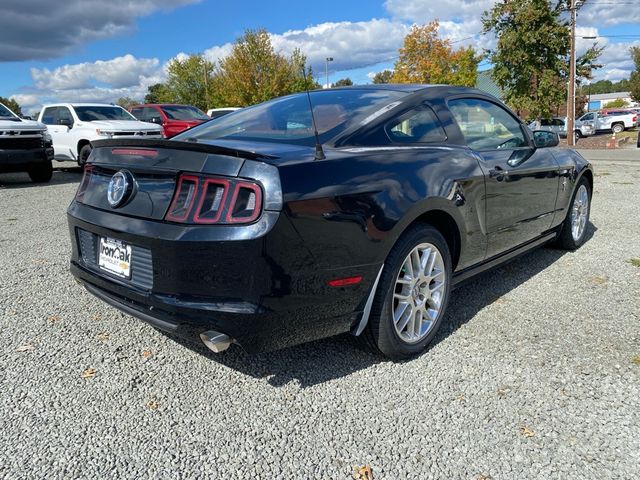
(579, 213)
(419, 293)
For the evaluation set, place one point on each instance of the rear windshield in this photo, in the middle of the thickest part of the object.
(288, 119)
(183, 112)
(90, 114)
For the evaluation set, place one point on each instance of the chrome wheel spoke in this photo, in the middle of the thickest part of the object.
(579, 213)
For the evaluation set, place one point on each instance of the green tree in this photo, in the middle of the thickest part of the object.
(157, 93)
(383, 77)
(11, 105)
(617, 103)
(343, 82)
(188, 81)
(634, 80)
(531, 58)
(254, 72)
(426, 58)
(126, 102)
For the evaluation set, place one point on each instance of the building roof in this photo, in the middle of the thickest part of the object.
(485, 83)
(609, 96)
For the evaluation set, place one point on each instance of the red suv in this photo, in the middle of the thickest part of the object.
(173, 118)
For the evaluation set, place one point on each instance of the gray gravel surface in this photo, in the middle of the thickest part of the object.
(535, 375)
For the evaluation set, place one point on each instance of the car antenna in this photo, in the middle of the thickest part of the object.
(319, 151)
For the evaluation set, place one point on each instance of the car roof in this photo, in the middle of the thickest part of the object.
(162, 105)
(80, 105)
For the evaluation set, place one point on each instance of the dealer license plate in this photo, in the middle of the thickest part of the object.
(114, 257)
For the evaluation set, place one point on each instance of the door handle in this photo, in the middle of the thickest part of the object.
(498, 171)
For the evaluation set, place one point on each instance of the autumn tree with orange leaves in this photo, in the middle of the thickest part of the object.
(426, 58)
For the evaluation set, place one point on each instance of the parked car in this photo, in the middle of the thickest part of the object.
(25, 146)
(219, 112)
(75, 126)
(253, 230)
(616, 121)
(173, 118)
(558, 125)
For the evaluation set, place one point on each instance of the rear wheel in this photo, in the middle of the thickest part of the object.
(412, 294)
(617, 128)
(85, 151)
(41, 173)
(574, 228)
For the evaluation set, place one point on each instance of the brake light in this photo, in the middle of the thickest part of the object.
(84, 183)
(183, 199)
(141, 152)
(209, 200)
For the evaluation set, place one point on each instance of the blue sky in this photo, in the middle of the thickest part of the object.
(99, 50)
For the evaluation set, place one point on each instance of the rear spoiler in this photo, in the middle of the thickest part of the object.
(178, 145)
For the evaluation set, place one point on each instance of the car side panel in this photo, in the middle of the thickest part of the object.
(351, 208)
(572, 166)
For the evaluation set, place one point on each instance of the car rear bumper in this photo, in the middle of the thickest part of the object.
(23, 160)
(262, 290)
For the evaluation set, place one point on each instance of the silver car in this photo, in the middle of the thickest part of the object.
(558, 125)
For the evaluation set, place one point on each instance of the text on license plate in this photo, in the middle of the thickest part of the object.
(114, 257)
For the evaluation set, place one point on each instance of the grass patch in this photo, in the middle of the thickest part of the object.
(636, 359)
(602, 174)
(635, 262)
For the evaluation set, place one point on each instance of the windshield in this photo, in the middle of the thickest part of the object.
(90, 114)
(6, 114)
(288, 119)
(183, 112)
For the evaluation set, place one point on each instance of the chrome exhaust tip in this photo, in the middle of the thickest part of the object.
(215, 341)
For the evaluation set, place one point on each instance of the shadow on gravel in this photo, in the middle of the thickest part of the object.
(321, 361)
(61, 176)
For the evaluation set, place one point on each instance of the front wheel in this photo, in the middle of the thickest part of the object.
(41, 173)
(574, 228)
(412, 294)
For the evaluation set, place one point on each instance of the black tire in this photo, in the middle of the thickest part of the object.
(42, 173)
(617, 128)
(565, 239)
(380, 333)
(578, 134)
(85, 151)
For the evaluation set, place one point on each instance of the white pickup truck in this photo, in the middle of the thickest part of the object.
(73, 126)
(616, 121)
(25, 146)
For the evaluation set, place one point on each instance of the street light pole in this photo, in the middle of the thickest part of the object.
(571, 100)
(326, 68)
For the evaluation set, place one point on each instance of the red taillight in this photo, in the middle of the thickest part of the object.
(216, 201)
(183, 199)
(245, 204)
(84, 183)
(212, 201)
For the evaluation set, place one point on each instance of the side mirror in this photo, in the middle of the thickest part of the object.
(545, 138)
(156, 120)
(65, 121)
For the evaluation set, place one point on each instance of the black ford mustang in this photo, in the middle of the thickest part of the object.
(253, 229)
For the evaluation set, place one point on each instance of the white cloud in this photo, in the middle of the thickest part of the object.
(607, 14)
(38, 30)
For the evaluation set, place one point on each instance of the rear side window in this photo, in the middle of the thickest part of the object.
(487, 126)
(417, 126)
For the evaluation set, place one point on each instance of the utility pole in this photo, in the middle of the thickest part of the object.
(571, 100)
(326, 68)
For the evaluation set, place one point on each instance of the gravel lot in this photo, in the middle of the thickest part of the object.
(536, 374)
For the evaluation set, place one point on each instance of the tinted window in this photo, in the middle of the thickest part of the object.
(150, 113)
(416, 126)
(183, 112)
(220, 113)
(288, 119)
(137, 112)
(487, 126)
(64, 114)
(49, 115)
(92, 113)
